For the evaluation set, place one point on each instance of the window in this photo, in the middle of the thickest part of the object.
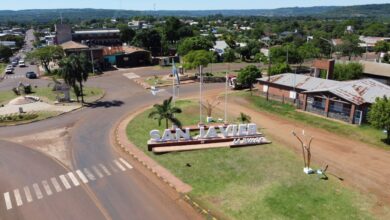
(293, 95)
(265, 88)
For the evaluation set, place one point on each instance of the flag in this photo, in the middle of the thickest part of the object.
(175, 73)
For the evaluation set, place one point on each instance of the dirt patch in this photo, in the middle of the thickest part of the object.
(53, 143)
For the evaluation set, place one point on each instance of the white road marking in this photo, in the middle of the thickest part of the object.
(74, 179)
(82, 176)
(18, 198)
(65, 182)
(97, 171)
(119, 165)
(8, 202)
(113, 168)
(126, 163)
(131, 75)
(37, 190)
(105, 169)
(89, 174)
(56, 185)
(47, 187)
(28, 194)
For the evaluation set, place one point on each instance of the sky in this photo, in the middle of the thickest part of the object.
(176, 4)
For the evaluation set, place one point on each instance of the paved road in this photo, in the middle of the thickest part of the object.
(126, 194)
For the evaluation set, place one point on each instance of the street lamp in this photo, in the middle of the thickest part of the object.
(331, 45)
(269, 66)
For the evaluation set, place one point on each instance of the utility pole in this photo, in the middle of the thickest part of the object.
(92, 61)
(200, 94)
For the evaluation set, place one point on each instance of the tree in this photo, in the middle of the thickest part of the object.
(348, 71)
(379, 115)
(229, 56)
(171, 27)
(248, 76)
(75, 69)
(194, 43)
(279, 68)
(381, 47)
(166, 111)
(244, 118)
(5, 53)
(149, 39)
(197, 58)
(126, 33)
(350, 46)
(308, 51)
(45, 55)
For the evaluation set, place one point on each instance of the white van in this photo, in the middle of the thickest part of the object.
(21, 63)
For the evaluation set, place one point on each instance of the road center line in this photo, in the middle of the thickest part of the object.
(65, 182)
(74, 179)
(56, 185)
(119, 165)
(8, 202)
(126, 163)
(18, 198)
(37, 190)
(82, 176)
(28, 194)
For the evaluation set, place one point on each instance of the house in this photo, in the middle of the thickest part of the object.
(127, 56)
(220, 47)
(93, 53)
(10, 44)
(347, 101)
(368, 43)
(377, 71)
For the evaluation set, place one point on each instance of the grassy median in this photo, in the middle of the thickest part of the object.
(261, 182)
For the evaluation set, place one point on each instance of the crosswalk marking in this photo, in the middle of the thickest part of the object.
(89, 174)
(56, 185)
(37, 190)
(97, 171)
(65, 182)
(119, 165)
(28, 194)
(47, 187)
(126, 163)
(8, 202)
(18, 198)
(131, 75)
(105, 169)
(74, 179)
(82, 176)
(113, 168)
(14, 77)
(52, 185)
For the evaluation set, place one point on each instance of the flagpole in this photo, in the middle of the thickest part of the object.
(200, 93)
(226, 85)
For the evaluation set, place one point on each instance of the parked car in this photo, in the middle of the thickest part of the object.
(31, 75)
(10, 67)
(21, 63)
(15, 63)
(9, 71)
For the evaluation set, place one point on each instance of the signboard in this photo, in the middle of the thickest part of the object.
(233, 134)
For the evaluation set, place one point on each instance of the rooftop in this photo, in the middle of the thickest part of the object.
(71, 45)
(97, 31)
(377, 69)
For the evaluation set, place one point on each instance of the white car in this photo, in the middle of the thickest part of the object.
(21, 63)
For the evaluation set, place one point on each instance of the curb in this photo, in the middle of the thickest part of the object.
(185, 196)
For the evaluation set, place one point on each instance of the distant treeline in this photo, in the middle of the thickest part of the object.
(75, 15)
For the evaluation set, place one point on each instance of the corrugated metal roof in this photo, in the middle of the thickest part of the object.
(300, 81)
(377, 69)
(357, 91)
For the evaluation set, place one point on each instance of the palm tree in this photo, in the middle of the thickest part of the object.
(244, 118)
(166, 111)
(75, 69)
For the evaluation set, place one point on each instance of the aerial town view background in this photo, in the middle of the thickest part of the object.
(194, 110)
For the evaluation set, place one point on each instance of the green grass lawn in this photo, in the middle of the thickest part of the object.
(152, 81)
(91, 94)
(261, 182)
(364, 133)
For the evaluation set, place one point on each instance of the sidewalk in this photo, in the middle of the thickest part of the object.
(36, 107)
(153, 166)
